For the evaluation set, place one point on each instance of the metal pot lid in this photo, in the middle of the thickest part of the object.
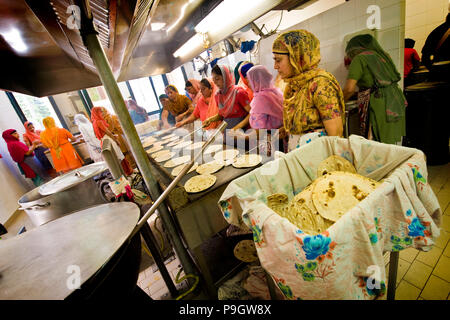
(72, 178)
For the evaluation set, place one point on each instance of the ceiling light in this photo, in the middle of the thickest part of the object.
(181, 16)
(14, 39)
(192, 44)
(157, 26)
(231, 15)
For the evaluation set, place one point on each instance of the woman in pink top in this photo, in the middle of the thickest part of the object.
(267, 104)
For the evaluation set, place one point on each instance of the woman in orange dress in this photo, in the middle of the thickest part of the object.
(64, 156)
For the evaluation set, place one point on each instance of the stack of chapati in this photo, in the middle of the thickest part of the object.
(337, 189)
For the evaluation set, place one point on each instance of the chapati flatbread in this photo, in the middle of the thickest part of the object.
(165, 157)
(155, 148)
(247, 161)
(300, 211)
(210, 167)
(245, 251)
(177, 161)
(176, 171)
(174, 143)
(226, 155)
(200, 183)
(196, 145)
(147, 142)
(160, 153)
(279, 203)
(213, 148)
(304, 214)
(335, 163)
(175, 137)
(182, 145)
(168, 136)
(337, 192)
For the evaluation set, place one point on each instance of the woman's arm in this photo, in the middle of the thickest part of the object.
(334, 127)
(190, 119)
(349, 89)
(164, 116)
(31, 149)
(215, 118)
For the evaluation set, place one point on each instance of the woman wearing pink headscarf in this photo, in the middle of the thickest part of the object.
(233, 101)
(267, 104)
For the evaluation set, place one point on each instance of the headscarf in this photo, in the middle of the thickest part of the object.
(226, 96)
(267, 98)
(31, 136)
(87, 130)
(196, 84)
(237, 76)
(98, 122)
(163, 96)
(50, 136)
(243, 82)
(303, 49)
(17, 150)
(177, 106)
(382, 69)
(213, 109)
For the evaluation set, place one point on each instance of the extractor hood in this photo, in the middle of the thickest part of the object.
(42, 53)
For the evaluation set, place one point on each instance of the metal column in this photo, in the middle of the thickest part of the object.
(89, 36)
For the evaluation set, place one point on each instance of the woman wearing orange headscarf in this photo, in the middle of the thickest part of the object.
(64, 156)
(106, 124)
(206, 106)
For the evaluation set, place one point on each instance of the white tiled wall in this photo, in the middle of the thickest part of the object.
(332, 26)
(422, 16)
(14, 185)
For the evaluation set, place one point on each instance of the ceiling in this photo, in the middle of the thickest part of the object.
(42, 53)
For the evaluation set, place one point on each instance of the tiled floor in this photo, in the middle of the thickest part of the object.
(426, 275)
(421, 275)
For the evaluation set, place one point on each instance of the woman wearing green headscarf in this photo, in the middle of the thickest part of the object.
(381, 102)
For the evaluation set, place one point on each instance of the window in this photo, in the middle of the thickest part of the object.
(143, 93)
(177, 78)
(100, 98)
(36, 109)
(158, 82)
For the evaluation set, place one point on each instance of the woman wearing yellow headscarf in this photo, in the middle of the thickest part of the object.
(64, 156)
(313, 100)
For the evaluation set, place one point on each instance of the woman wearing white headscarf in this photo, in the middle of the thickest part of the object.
(92, 142)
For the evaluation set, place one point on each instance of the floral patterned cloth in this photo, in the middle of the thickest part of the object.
(346, 261)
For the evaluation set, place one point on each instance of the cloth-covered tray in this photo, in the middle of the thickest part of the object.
(346, 261)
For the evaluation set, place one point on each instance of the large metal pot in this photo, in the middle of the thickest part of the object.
(66, 194)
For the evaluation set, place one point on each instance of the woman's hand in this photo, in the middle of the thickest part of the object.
(179, 124)
(179, 117)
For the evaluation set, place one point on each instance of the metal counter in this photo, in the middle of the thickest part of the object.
(201, 222)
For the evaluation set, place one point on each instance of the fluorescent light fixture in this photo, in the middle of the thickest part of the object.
(157, 26)
(231, 12)
(192, 44)
(14, 39)
(183, 9)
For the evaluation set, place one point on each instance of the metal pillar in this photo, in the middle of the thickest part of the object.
(90, 40)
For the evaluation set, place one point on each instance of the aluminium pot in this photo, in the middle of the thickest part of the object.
(73, 191)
